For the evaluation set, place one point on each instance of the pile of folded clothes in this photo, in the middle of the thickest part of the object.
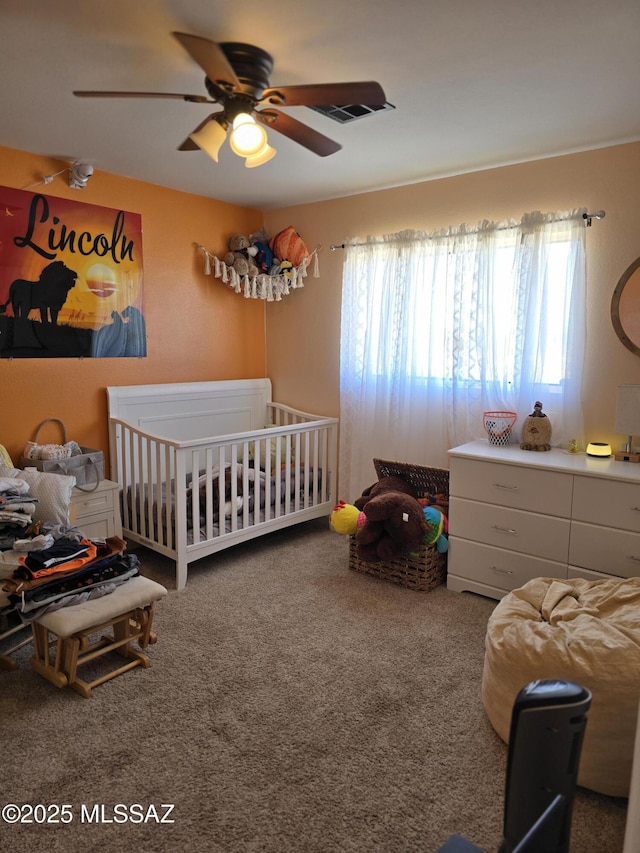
(44, 567)
(16, 511)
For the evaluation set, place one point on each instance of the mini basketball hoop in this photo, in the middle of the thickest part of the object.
(498, 426)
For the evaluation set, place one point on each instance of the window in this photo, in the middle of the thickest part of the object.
(441, 327)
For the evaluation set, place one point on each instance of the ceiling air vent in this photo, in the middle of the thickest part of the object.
(351, 112)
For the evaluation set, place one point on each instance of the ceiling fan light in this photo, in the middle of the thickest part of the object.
(247, 137)
(210, 138)
(261, 157)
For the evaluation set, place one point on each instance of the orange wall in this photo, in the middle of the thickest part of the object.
(197, 327)
(303, 332)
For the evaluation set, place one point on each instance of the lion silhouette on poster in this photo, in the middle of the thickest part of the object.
(47, 295)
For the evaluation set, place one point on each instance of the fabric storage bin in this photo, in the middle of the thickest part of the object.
(86, 464)
(427, 568)
(87, 467)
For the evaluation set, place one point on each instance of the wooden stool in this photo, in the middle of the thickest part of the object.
(128, 611)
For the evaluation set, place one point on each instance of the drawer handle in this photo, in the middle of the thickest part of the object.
(505, 486)
(508, 530)
(501, 571)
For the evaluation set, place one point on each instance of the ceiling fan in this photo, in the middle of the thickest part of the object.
(237, 78)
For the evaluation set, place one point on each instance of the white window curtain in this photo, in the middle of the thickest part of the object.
(438, 328)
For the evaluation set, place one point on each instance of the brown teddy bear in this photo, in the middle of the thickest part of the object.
(241, 255)
(385, 484)
(395, 524)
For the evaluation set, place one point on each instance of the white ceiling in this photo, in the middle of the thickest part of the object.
(474, 85)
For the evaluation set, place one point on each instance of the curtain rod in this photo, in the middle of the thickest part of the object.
(599, 214)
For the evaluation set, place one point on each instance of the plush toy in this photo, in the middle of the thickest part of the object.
(388, 520)
(288, 245)
(438, 528)
(395, 526)
(385, 484)
(260, 236)
(348, 520)
(286, 269)
(241, 255)
(264, 256)
(440, 501)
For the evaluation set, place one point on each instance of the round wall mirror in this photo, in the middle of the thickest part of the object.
(625, 307)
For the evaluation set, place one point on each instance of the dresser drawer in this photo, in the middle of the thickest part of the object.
(607, 502)
(87, 503)
(588, 575)
(513, 486)
(539, 535)
(497, 567)
(96, 526)
(613, 552)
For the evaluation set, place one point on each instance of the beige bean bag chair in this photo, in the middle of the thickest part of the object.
(582, 631)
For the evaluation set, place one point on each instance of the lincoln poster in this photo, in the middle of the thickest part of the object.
(70, 279)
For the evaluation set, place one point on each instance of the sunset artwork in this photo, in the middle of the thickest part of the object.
(70, 279)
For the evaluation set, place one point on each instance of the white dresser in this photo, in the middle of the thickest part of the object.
(516, 515)
(97, 512)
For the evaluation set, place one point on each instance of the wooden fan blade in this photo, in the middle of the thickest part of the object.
(189, 144)
(298, 132)
(196, 99)
(325, 94)
(211, 59)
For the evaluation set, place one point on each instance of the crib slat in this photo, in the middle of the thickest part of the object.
(169, 487)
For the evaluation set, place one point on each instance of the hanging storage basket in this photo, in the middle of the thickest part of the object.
(498, 427)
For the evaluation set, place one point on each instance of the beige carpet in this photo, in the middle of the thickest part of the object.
(292, 705)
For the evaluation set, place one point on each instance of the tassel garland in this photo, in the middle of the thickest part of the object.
(262, 286)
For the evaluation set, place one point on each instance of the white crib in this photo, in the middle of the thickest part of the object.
(206, 465)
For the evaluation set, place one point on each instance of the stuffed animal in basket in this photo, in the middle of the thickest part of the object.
(382, 486)
(388, 521)
(438, 528)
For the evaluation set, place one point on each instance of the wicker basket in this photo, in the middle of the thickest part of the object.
(426, 569)
(422, 572)
(426, 481)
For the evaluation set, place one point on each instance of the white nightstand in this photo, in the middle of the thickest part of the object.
(97, 513)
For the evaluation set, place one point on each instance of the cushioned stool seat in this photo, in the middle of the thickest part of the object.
(128, 611)
(576, 630)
